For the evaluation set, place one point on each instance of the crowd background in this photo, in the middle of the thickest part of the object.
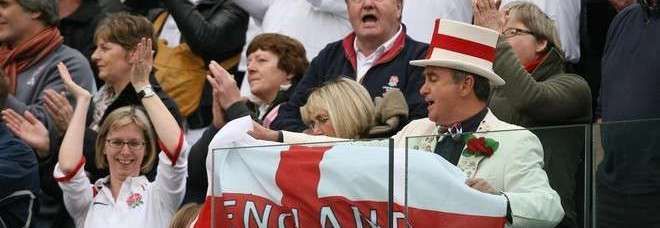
(218, 60)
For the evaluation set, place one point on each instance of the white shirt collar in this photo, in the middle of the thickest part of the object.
(383, 47)
(364, 63)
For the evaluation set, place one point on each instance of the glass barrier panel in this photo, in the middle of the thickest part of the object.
(626, 161)
(529, 177)
(265, 184)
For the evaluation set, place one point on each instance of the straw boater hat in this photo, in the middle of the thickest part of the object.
(462, 46)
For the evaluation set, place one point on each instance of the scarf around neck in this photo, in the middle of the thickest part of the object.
(24, 55)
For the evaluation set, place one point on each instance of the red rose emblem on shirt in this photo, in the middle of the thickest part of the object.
(481, 145)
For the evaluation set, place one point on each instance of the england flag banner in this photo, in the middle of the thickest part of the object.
(265, 184)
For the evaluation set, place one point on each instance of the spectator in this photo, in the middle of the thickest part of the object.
(277, 62)
(78, 22)
(19, 176)
(538, 92)
(125, 198)
(567, 18)
(375, 54)
(31, 48)
(424, 12)
(529, 58)
(185, 216)
(315, 23)
(341, 108)
(457, 91)
(628, 180)
(117, 38)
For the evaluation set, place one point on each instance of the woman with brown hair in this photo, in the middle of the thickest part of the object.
(275, 65)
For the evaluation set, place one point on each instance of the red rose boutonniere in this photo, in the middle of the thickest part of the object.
(479, 146)
(134, 200)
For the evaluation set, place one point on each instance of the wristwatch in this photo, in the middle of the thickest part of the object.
(146, 91)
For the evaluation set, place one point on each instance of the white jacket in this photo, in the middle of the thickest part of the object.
(515, 168)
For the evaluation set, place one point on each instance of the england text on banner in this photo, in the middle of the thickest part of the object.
(341, 185)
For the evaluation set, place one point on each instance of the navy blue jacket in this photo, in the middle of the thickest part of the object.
(18, 171)
(392, 70)
(630, 90)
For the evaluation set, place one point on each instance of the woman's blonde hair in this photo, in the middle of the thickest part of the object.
(539, 23)
(348, 104)
(185, 215)
(122, 117)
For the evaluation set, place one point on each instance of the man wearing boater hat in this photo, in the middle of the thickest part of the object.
(509, 161)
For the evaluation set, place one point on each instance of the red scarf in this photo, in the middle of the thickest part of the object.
(24, 55)
(531, 67)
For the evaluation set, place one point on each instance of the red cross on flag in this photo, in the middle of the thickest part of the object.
(344, 185)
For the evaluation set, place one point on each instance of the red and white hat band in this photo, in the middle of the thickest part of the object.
(451, 39)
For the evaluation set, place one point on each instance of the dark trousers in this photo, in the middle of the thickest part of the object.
(615, 209)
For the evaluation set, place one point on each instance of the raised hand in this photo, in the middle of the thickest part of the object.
(486, 14)
(59, 109)
(29, 129)
(77, 91)
(225, 84)
(142, 61)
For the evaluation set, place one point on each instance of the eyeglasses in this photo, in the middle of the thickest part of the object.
(511, 32)
(360, 1)
(118, 144)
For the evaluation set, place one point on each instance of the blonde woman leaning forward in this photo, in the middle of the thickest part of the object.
(126, 146)
(342, 109)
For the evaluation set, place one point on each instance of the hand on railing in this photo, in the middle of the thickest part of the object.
(481, 185)
(262, 133)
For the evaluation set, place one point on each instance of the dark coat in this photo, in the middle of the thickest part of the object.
(214, 30)
(548, 96)
(197, 182)
(392, 70)
(18, 171)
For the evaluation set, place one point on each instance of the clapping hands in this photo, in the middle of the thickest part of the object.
(224, 84)
(78, 92)
(142, 61)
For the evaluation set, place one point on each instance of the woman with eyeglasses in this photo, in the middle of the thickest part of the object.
(538, 91)
(126, 145)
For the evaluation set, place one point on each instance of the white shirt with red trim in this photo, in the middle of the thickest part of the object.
(140, 203)
(364, 63)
